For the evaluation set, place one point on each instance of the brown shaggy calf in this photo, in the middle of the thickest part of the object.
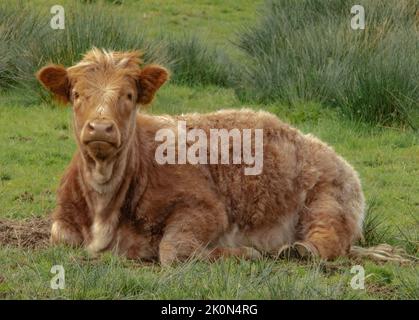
(115, 196)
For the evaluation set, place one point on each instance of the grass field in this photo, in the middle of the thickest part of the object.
(36, 144)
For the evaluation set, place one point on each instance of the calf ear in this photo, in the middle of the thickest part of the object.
(151, 78)
(54, 78)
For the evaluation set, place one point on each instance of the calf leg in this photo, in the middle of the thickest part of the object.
(297, 250)
(189, 234)
(239, 252)
(177, 249)
(325, 229)
(66, 233)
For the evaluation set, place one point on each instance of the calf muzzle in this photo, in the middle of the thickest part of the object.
(101, 137)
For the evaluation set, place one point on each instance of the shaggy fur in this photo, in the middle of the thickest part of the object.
(114, 196)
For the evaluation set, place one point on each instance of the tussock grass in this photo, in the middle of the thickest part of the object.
(31, 43)
(376, 231)
(18, 26)
(27, 43)
(306, 50)
(193, 62)
(299, 51)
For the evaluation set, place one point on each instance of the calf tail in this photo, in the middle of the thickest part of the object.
(382, 253)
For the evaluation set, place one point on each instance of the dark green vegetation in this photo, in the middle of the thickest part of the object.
(356, 90)
(371, 75)
(294, 51)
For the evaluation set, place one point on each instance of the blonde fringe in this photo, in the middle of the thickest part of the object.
(383, 253)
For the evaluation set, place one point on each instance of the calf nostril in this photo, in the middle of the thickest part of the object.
(91, 126)
(109, 128)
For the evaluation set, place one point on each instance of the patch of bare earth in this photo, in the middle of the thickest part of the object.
(382, 291)
(29, 233)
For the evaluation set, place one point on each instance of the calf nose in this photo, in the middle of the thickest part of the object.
(100, 127)
(101, 130)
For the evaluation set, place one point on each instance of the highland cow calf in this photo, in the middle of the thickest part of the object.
(307, 200)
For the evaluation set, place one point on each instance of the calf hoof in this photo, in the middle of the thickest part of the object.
(94, 249)
(251, 253)
(92, 252)
(298, 250)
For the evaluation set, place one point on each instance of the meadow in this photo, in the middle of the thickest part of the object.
(222, 54)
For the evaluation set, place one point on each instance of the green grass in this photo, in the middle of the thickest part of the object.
(28, 275)
(37, 144)
(193, 62)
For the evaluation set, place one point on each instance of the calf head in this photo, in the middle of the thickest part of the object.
(104, 89)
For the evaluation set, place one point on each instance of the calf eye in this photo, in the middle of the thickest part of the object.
(76, 95)
(129, 96)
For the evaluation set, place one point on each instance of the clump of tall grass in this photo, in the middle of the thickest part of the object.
(94, 25)
(306, 50)
(29, 41)
(375, 231)
(19, 27)
(193, 62)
